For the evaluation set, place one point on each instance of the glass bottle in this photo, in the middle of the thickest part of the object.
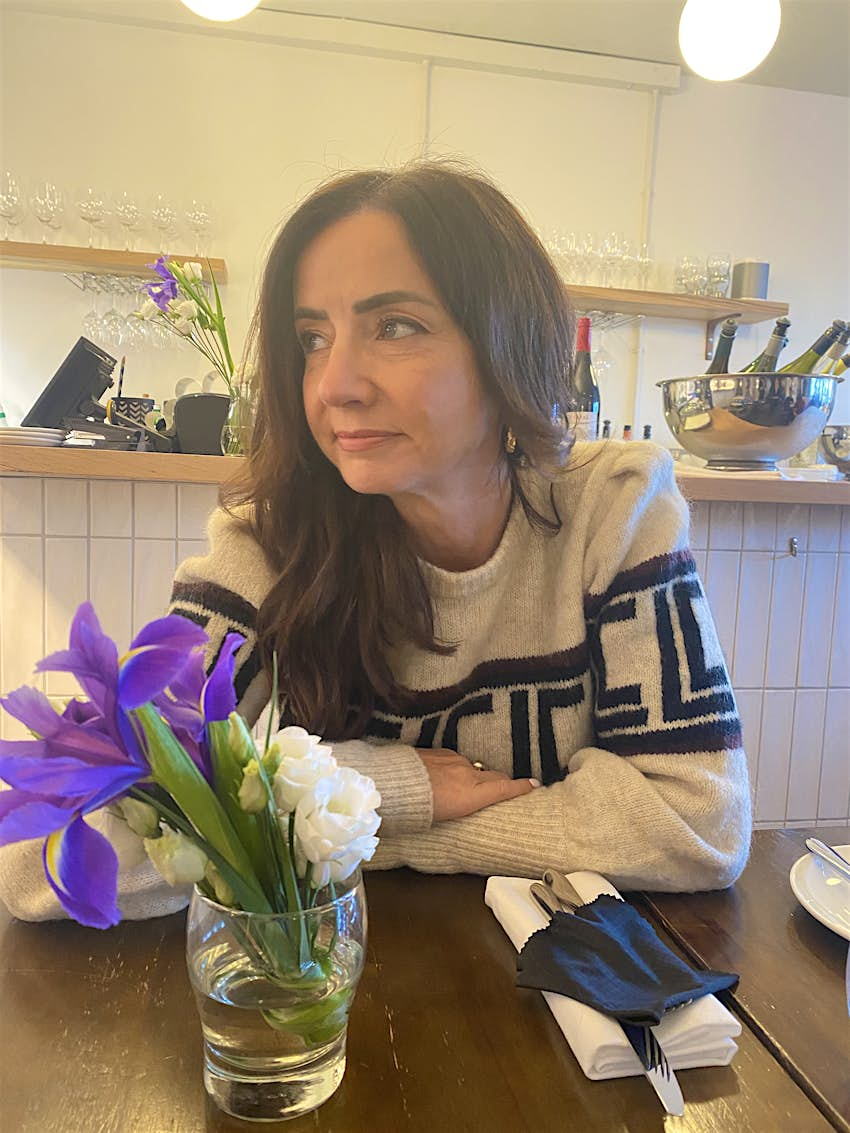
(765, 363)
(606, 429)
(585, 388)
(627, 432)
(719, 364)
(647, 432)
(806, 362)
(828, 362)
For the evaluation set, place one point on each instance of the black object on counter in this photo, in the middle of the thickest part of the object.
(74, 389)
(198, 421)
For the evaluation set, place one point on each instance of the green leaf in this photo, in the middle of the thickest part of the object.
(174, 770)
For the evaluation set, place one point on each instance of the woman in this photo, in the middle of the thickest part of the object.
(464, 605)
(505, 631)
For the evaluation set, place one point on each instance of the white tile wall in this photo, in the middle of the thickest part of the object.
(63, 541)
(783, 621)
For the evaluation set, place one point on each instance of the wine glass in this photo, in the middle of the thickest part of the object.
(94, 210)
(48, 206)
(128, 215)
(12, 207)
(164, 217)
(93, 322)
(199, 218)
(718, 269)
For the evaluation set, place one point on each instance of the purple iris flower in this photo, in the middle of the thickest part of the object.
(165, 289)
(89, 756)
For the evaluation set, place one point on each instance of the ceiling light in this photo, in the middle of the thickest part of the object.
(221, 9)
(725, 39)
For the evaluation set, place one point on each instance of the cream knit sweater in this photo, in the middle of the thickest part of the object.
(587, 659)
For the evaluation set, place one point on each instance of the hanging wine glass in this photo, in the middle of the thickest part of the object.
(94, 210)
(199, 218)
(164, 217)
(12, 207)
(128, 215)
(93, 322)
(48, 207)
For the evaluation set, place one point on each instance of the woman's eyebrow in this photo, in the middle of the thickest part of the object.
(382, 299)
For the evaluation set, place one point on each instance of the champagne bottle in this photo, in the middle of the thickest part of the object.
(765, 363)
(647, 432)
(3, 421)
(720, 362)
(606, 429)
(807, 361)
(585, 389)
(841, 365)
(828, 362)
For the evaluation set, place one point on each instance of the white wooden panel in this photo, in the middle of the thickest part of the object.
(111, 503)
(66, 586)
(195, 502)
(722, 591)
(835, 769)
(153, 572)
(806, 751)
(777, 721)
(154, 511)
(111, 587)
(786, 617)
(839, 664)
(66, 507)
(818, 613)
(22, 505)
(753, 619)
(22, 640)
(759, 527)
(725, 532)
(750, 707)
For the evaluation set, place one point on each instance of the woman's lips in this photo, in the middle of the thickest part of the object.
(362, 439)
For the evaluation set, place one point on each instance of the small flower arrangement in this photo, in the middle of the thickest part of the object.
(178, 300)
(161, 742)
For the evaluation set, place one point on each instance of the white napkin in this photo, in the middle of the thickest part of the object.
(700, 1034)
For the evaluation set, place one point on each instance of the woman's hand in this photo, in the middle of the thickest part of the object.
(460, 789)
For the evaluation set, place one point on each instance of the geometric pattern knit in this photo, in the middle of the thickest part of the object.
(579, 653)
(586, 658)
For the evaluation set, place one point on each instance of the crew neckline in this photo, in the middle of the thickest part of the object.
(462, 583)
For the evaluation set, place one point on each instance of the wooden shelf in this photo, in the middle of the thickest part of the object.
(760, 489)
(667, 305)
(103, 464)
(94, 261)
(108, 464)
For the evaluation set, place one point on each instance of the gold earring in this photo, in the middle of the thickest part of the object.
(510, 441)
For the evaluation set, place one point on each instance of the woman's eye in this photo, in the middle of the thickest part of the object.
(311, 340)
(396, 328)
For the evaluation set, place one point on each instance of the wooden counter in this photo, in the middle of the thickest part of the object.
(106, 464)
(100, 464)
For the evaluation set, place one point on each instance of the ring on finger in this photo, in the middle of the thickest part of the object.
(478, 765)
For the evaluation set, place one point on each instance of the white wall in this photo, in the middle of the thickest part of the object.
(251, 124)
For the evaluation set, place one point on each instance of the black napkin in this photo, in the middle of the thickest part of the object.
(608, 956)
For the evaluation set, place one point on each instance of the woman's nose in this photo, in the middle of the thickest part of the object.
(342, 379)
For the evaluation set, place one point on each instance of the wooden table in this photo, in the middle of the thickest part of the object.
(792, 993)
(98, 1034)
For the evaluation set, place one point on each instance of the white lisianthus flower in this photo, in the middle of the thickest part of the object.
(140, 817)
(176, 857)
(335, 825)
(303, 761)
(187, 309)
(193, 270)
(148, 310)
(183, 326)
(253, 793)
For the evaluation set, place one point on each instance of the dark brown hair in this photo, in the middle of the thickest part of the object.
(348, 583)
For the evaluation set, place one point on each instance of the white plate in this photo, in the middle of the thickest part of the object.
(822, 892)
(30, 431)
(32, 442)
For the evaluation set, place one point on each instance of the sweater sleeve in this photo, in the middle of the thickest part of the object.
(661, 799)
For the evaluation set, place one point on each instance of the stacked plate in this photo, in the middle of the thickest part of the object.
(44, 438)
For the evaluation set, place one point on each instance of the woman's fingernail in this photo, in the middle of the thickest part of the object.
(535, 782)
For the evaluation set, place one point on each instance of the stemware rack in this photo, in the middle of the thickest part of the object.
(615, 305)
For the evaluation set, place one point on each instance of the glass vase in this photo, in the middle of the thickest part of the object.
(239, 422)
(273, 992)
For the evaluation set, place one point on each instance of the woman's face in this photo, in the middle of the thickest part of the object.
(391, 389)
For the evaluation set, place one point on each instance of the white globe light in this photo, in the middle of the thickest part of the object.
(725, 39)
(221, 9)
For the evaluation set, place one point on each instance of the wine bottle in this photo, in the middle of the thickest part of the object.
(606, 429)
(829, 360)
(585, 389)
(720, 362)
(627, 432)
(647, 432)
(807, 361)
(841, 365)
(3, 421)
(765, 363)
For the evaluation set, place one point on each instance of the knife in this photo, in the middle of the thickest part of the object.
(643, 1040)
(830, 856)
